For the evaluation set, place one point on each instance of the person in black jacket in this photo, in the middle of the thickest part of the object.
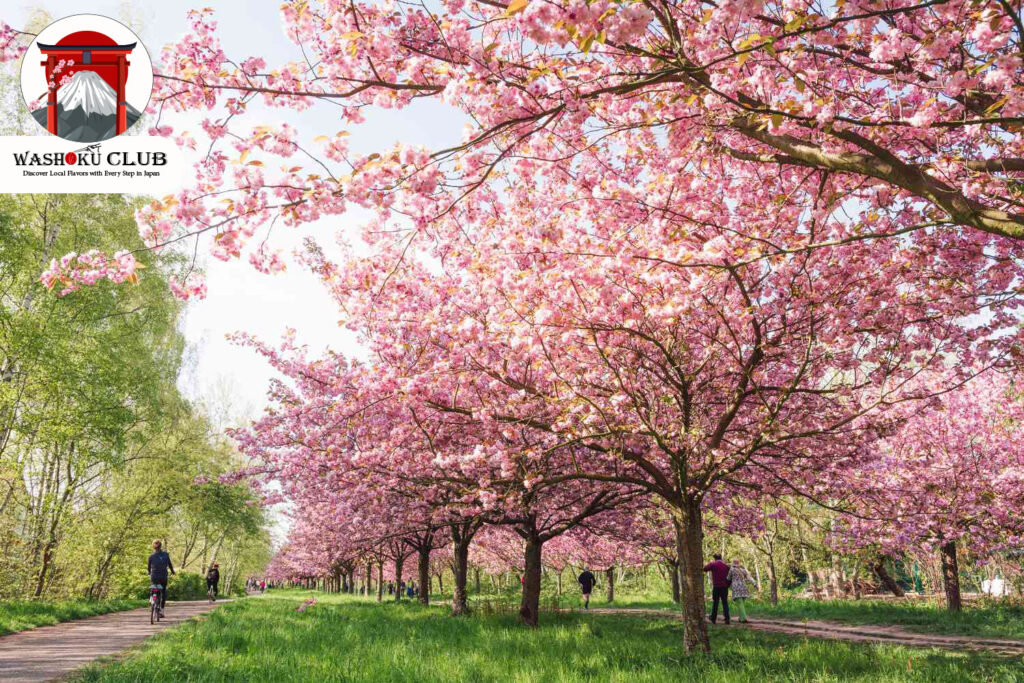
(158, 566)
(213, 578)
(587, 581)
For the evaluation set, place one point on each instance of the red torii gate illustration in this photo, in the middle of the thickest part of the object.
(88, 51)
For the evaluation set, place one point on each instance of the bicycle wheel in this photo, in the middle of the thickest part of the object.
(153, 614)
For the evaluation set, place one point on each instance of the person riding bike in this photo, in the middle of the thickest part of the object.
(158, 566)
(212, 579)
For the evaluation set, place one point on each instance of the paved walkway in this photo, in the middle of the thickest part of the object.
(49, 652)
(863, 633)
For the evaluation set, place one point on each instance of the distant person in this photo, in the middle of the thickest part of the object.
(213, 579)
(158, 565)
(263, 586)
(409, 591)
(740, 580)
(587, 581)
(719, 587)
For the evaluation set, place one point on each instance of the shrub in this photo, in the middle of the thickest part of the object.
(182, 586)
(186, 586)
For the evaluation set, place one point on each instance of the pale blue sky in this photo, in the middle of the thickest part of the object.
(239, 297)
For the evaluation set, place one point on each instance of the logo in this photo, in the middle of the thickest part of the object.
(86, 78)
(91, 160)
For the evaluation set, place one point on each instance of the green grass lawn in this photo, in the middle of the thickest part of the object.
(344, 638)
(988, 619)
(21, 615)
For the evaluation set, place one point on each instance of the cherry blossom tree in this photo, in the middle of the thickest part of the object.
(676, 373)
(952, 474)
(417, 467)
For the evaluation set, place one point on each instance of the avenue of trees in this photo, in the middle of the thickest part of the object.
(695, 267)
(99, 453)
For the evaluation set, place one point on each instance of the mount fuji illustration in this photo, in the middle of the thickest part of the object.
(86, 109)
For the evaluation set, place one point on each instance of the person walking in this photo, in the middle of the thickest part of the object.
(212, 579)
(740, 580)
(587, 581)
(719, 587)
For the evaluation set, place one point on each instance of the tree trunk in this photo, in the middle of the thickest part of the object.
(951, 577)
(476, 575)
(673, 570)
(399, 561)
(460, 601)
(883, 575)
(41, 581)
(529, 610)
(380, 581)
(609, 577)
(690, 542)
(558, 582)
(836, 577)
(368, 579)
(423, 565)
(773, 582)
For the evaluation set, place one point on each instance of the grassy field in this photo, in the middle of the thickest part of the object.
(344, 638)
(990, 619)
(987, 619)
(21, 615)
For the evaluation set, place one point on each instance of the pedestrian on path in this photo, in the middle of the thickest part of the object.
(719, 587)
(213, 579)
(739, 580)
(587, 581)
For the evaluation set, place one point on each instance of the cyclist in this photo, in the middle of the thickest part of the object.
(158, 566)
(212, 579)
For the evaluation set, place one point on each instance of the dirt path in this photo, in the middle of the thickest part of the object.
(49, 652)
(863, 633)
